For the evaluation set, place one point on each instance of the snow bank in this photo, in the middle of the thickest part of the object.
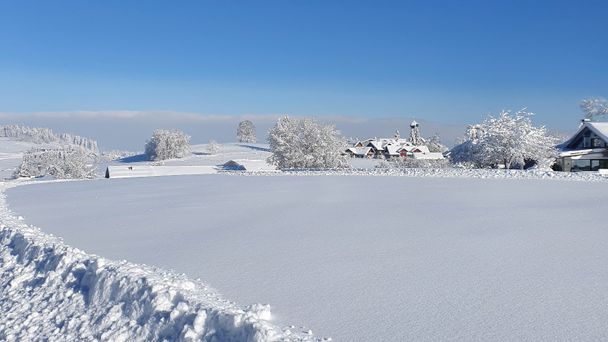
(49, 290)
(445, 173)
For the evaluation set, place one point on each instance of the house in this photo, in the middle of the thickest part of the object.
(247, 165)
(585, 150)
(395, 147)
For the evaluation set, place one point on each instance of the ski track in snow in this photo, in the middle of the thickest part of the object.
(51, 291)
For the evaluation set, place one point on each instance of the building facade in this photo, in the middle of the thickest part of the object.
(585, 150)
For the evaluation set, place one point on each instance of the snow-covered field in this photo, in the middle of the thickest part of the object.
(360, 258)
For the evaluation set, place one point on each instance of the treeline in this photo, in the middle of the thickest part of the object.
(40, 135)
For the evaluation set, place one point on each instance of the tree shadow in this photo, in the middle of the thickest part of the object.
(257, 148)
(133, 159)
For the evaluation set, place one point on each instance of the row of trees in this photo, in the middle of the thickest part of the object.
(46, 136)
(508, 140)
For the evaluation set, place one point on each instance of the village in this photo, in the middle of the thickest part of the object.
(395, 147)
(586, 150)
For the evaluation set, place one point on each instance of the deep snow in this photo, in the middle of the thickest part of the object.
(361, 258)
(51, 291)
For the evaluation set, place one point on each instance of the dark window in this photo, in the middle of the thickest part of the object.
(597, 164)
(586, 142)
(595, 142)
(581, 165)
(589, 164)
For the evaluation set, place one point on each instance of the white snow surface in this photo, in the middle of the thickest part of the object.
(125, 171)
(51, 291)
(358, 258)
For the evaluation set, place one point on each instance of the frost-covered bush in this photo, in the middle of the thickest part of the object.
(434, 144)
(213, 147)
(305, 144)
(594, 107)
(167, 144)
(61, 163)
(245, 133)
(509, 141)
(46, 135)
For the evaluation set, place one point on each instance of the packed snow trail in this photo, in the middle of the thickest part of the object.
(361, 258)
(51, 291)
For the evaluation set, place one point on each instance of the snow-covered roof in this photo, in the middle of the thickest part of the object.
(377, 144)
(422, 148)
(360, 151)
(248, 165)
(393, 150)
(599, 128)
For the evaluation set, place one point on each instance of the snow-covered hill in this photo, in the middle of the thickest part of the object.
(361, 258)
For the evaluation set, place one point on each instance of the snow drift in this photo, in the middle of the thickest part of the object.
(49, 290)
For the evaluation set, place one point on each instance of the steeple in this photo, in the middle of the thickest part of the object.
(414, 133)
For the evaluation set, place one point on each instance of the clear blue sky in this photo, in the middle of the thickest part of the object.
(447, 61)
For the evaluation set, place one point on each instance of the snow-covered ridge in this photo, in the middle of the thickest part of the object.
(50, 290)
(46, 135)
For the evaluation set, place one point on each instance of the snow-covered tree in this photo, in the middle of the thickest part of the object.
(434, 144)
(167, 144)
(213, 147)
(467, 152)
(245, 133)
(62, 163)
(507, 139)
(594, 107)
(305, 144)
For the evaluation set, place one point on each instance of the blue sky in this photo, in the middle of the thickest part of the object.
(445, 61)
